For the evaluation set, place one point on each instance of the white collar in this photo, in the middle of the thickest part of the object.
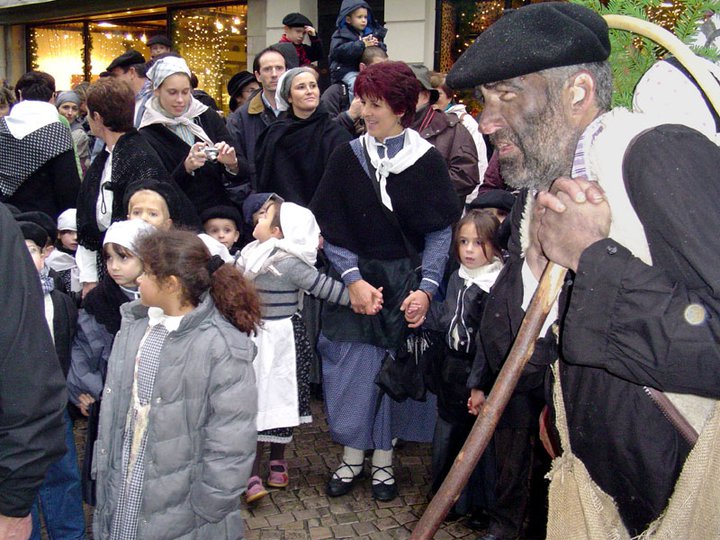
(28, 116)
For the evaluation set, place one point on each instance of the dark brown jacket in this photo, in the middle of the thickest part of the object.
(455, 144)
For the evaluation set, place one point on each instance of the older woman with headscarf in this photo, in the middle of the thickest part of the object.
(190, 138)
(291, 154)
(384, 202)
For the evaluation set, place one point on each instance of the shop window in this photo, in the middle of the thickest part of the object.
(57, 50)
(110, 39)
(213, 41)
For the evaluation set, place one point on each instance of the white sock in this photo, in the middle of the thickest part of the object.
(353, 465)
(382, 458)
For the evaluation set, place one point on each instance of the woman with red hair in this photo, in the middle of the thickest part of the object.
(384, 204)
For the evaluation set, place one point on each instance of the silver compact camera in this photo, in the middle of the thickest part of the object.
(211, 153)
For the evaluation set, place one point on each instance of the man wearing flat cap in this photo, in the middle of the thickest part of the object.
(130, 67)
(296, 26)
(631, 209)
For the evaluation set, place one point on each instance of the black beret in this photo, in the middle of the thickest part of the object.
(237, 81)
(530, 39)
(126, 59)
(159, 39)
(294, 20)
(172, 196)
(255, 202)
(493, 198)
(41, 219)
(33, 231)
(222, 212)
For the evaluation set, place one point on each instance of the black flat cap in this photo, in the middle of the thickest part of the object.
(530, 39)
(33, 231)
(159, 39)
(127, 59)
(39, 218)
(237, 81)
(295, 20)
(223, 212)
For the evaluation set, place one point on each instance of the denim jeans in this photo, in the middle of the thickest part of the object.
(60, 496)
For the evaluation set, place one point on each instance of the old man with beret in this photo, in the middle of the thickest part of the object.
(631, 209)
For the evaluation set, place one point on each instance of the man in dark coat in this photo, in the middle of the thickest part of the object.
(641, 306)
(32, 388)
(247, 122)
(38, 170)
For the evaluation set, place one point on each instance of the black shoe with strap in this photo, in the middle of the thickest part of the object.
(384, 490)
(337, 487)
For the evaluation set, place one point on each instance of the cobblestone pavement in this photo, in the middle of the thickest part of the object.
(303, 511)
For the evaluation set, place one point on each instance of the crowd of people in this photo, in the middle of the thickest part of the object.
(184, 281)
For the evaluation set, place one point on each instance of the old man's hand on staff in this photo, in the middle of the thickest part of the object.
(574, 215)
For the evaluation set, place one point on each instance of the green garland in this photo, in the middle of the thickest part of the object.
(631, 56)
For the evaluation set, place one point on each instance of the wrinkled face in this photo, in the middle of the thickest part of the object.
(223, 230)
(272, 65)
(69, 110)
(470, 247)
(530, 129)
(358, 19)
(124, 269)
(175, 94)
(304, 94)
(36, 253)
(264, 229)
(295, 34)
(380, 120)
(151, 208)
(68, 239)
(157, 49)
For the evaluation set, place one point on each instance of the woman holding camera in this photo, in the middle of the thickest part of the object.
(190, 138)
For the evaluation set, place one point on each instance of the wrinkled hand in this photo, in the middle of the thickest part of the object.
(85, 400)
(227, 156)
(12, 528)
(574, 215)
(415, 307)
(196, 158)
(364, 298)
(476, 401)
(310, 31)
(87, 287)
(534, 254)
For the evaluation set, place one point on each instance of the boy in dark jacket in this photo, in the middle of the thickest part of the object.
(356, 30)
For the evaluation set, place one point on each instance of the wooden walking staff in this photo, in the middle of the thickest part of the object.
(545, 295)
(479, 437)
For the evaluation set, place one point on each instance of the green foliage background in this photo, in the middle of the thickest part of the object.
(632, 55)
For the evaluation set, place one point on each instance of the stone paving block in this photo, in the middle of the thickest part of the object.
(343, 531)
(443, 535)
(316, 502)
(296, 526)
(383, 512)
(280, 519)
(364, 527)
(256, 523)
(296, 535)
(405, 517)
(349, 517)
(271, 535)
(328, 521)
(319, 533)
(386, 523)
(302, 515)
(397, 503)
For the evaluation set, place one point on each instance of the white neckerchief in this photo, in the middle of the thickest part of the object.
(156, 316)
(301, 239)
(154, 115)
(27, 117)
(106, 196)
(414, 147)
(484, 276)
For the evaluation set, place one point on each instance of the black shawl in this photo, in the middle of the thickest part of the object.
(133, 160)
(350, 214)
(103, 303)
(291, 155)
